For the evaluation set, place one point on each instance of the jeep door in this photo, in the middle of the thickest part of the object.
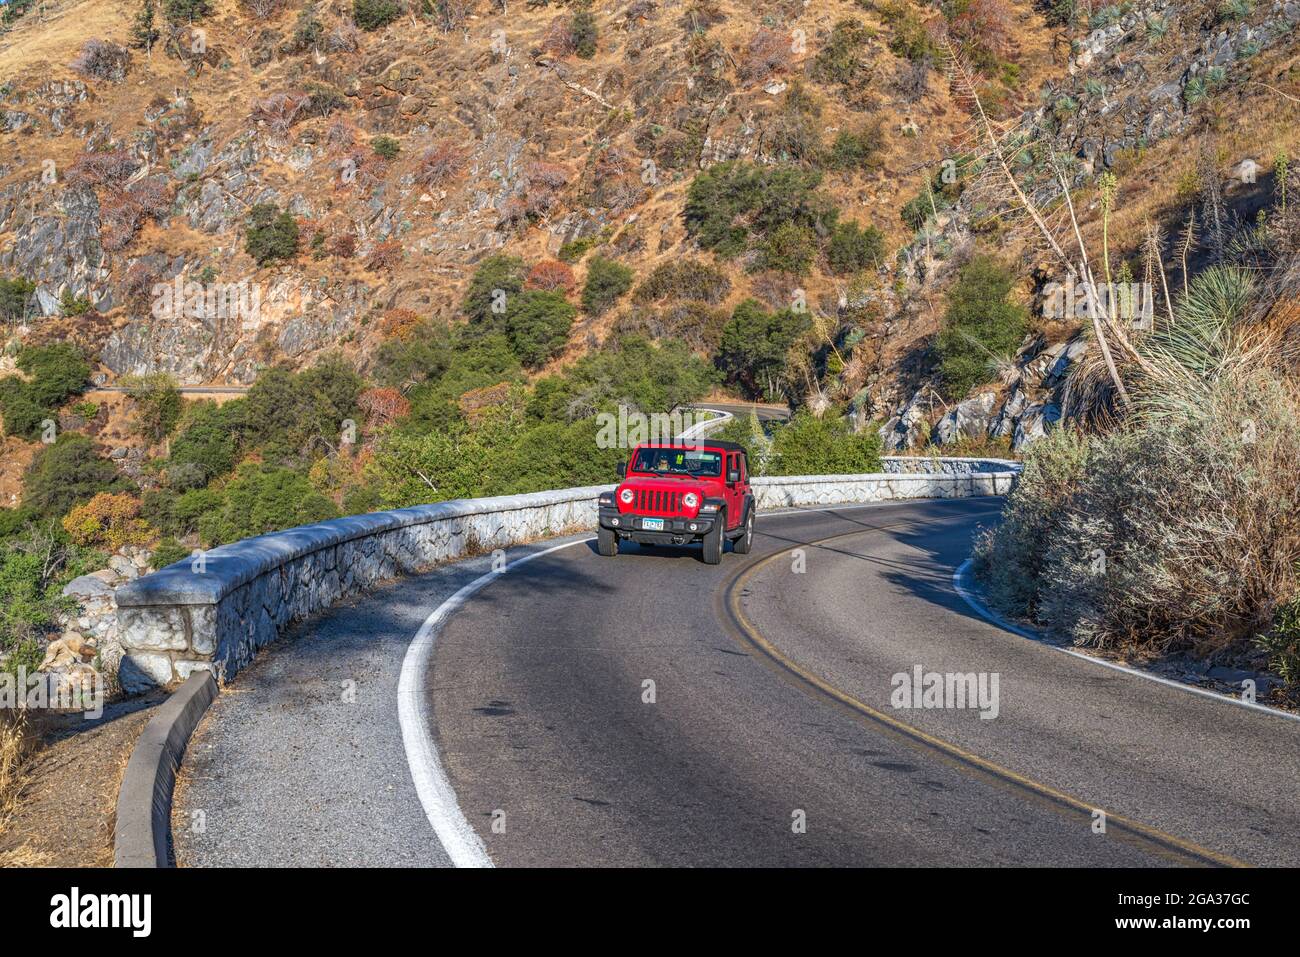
(735, 490)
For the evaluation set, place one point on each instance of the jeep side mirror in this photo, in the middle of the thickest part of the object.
(622, 470)
(733, 477)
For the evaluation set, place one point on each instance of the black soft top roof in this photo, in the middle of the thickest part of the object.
(699, 443)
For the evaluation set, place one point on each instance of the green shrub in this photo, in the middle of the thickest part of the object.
(755, 346)
(807, 445)
(537, 325)
(1060, 13)
(158, 404)
(401, 363)
(496, 281)
(790, 248)
(207, 445)
(841, 59)
(386, 147)
(373, 14)
(158, 508)
(23, 415)
(695, 324)
(572, 252)
(261, 498)
(308, 31)
(168, 551)
(980, 325)
(476, 361)
(607, 280)
(15, 521)
(190, 507)
(272, 235)
(295, 414)
(855, 150)
(71, 304)
(730, 201)
(584, 33)
(55, 373)
(434, 465)
(15, 294)
(34, 567)
(853, 248)
(908, 36)
(186, 11)
(67, 472)
(1282, 641)
(630, 371)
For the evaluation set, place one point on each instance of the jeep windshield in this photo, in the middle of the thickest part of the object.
(685, 462)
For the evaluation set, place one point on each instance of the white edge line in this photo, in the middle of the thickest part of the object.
(989, 615)
(454, 832)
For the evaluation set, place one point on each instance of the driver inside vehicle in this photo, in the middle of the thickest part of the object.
(667, 462)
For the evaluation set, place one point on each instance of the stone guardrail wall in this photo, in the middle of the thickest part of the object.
(946, 465)
(216, 612)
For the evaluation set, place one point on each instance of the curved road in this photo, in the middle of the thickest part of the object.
(650, 709)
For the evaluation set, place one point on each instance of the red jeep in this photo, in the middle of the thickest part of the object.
(678, 494)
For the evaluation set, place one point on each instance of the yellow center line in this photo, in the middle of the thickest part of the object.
(1150, 838)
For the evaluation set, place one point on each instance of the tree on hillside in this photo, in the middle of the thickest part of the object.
(144, 34)
(982, 324)
(755, 344)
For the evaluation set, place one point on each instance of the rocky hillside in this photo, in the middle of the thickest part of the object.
(124, 167)
(409, 141)
(1194, 109)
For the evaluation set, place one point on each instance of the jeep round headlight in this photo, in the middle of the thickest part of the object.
(625, 496)
(690, 500)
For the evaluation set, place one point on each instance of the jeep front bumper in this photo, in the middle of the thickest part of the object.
(630, 525)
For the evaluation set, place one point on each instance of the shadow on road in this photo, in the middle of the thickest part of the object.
(942, 542)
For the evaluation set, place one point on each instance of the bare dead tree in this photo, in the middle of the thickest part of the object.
(992, 143)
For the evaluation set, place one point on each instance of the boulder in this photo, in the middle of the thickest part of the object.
(87, 586)
(1034, 423)
(123, 566)
(970, 419)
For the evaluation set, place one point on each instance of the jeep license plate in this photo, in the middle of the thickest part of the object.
(652, 524)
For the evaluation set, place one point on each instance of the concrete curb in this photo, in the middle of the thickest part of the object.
(142, 833)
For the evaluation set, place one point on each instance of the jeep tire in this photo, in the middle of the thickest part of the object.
(745, 542)
(713, 540)
(606, 541)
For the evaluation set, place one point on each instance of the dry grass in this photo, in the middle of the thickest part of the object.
(1175, 530)
(16, 746)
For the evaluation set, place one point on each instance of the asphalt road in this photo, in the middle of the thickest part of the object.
(767, 737)
(766, 412)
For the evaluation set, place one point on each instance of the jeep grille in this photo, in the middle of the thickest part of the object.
(653, 500)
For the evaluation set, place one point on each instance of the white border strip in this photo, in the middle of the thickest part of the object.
(989, 615)
(454, 832)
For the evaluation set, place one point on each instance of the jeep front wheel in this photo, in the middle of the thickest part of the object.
(713, 540)
(742, 545)
(606, 542)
